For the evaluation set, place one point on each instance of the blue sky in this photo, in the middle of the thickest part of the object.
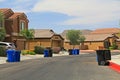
(61, 15)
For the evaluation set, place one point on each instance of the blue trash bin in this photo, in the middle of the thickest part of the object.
(76, 52)
(10, 55)
(17, 55)
(46, 53)
(73, 52)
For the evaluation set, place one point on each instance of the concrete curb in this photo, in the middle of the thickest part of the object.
(115, 67)
(28, 57)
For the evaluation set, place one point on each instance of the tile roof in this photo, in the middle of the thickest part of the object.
(43, 33)
(4, 9)
(97, 37)
(106, 31)
(7, 12)
(15, 15)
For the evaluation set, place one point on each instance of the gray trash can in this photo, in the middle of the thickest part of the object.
(102, 57)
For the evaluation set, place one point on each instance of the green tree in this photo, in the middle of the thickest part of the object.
(1, 19)
(81, 39)
(75, 37)
(2, 30)
(2, 34)
(28, 34)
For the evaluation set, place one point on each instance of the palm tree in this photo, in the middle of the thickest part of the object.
(28, 34)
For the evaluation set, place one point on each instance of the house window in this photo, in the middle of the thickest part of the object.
(22, 25)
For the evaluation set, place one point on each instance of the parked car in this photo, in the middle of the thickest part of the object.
(7, 45)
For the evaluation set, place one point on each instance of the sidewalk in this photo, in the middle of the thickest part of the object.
(115, 63)
(116, 59)
(27, 57)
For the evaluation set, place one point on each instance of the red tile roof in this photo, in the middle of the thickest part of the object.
(6, 12)
(97, 37)
(15, 15)
(4, 9)
(106, 31)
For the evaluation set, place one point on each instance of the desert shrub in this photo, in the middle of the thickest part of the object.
(3, 51)
(39, 49)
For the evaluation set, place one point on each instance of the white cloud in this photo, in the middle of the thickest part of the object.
(2, 0)
(85, 11)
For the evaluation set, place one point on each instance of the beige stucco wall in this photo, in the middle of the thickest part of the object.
(38, 42)
(55, 41)
(94, 45)
(68, 46)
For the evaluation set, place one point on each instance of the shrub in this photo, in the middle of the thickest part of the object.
(3, 51)
(111, 48)
(32, 53)
(39, 49)
(114, 46)
(24, 52)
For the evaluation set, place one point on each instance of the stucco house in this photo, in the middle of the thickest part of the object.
(14, 22)
(113, 31)
(96, 39)
(46, 38)
(99, 41)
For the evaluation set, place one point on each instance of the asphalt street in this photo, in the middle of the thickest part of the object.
(81, 67)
